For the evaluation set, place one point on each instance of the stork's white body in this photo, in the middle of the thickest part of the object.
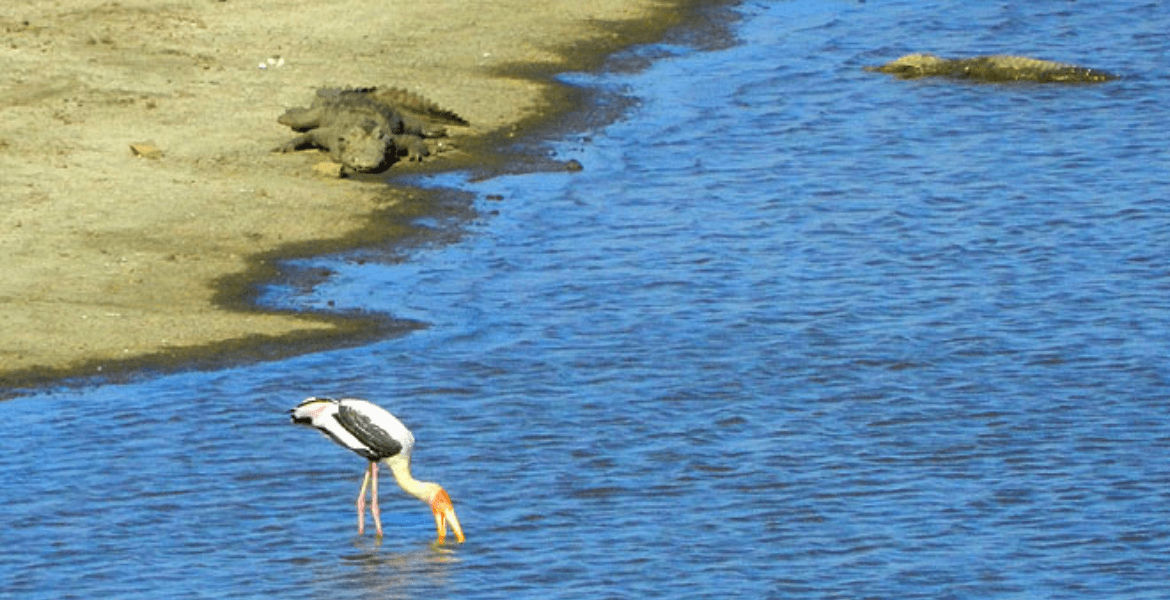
(378, 436)
(324, 416)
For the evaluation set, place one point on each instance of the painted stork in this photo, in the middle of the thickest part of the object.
(377, 436)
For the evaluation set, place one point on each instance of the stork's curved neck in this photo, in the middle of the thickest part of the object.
(400, 467)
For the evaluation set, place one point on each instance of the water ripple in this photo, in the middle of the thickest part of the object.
(795, 331)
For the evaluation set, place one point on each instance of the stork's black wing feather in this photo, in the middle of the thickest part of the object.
(381, 444)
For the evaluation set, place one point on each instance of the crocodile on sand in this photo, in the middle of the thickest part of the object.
(991, 69)
(366, 129)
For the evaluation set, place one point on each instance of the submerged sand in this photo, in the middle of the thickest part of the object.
(114, 260)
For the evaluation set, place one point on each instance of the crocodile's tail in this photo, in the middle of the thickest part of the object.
(339, 92)
(413, 103)
(1022, 67)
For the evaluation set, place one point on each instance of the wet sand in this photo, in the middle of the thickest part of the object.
(115, 261)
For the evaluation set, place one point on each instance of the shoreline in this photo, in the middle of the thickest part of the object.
(120, 265)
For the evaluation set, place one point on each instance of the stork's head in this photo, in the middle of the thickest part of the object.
(306, 412)
(445, 514)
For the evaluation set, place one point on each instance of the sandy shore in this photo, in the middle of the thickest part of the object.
(113, 261)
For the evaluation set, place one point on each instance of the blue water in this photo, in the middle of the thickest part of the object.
(796, 331)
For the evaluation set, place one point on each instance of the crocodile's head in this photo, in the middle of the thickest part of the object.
(911, 65)
(363, 147)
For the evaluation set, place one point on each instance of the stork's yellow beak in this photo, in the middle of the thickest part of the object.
(451, 520)
(445, 516)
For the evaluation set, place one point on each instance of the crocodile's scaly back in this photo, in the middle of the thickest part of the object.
(1022, 68)
(991, 69)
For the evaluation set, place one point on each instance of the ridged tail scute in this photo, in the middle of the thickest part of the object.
(411, 102)
(400, 100)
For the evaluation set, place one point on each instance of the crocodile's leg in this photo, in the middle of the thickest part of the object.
(421, 128)
(301, 141)
(301, 119)
(415, 148)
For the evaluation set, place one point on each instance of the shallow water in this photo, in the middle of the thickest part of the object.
(795, 331)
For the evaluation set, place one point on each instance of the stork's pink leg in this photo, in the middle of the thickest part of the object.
(361, 500)
(374, 510)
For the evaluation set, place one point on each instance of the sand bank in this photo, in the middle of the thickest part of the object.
(114, 261)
